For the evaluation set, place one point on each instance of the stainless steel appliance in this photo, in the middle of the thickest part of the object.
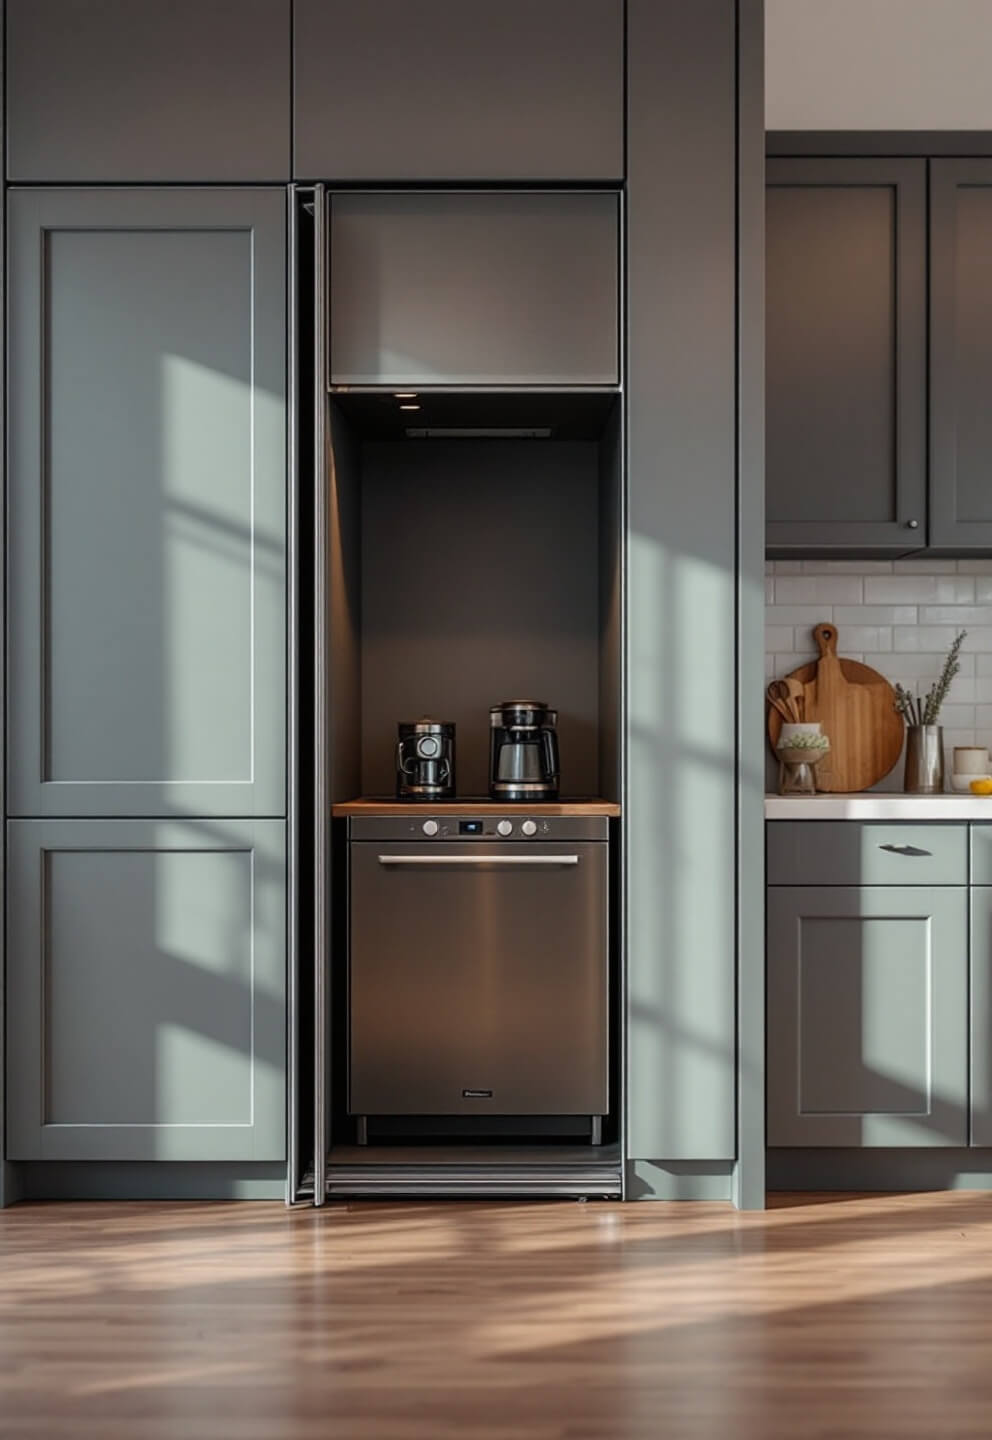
(523, 751)
(478, 968)
(425, 760)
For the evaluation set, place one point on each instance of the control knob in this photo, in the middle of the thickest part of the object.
(529, 827)
(430, 827)
(505, 827)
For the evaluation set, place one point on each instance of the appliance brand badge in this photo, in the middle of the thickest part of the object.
(477, 1094)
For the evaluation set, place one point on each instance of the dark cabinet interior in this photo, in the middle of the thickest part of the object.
(472, 570)
(548, 78)
(845, 356)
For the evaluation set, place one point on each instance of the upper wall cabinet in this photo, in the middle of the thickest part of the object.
(475, 288)
(846, 355)
(147, 502)
(444, 90)
(960, 354)
(135, 90)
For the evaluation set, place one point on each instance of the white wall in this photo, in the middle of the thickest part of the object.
(878, 64)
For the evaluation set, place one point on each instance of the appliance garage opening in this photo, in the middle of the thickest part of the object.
(466, 999)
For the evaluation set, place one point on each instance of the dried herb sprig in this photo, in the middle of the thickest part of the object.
(908, 705)
(924, 712)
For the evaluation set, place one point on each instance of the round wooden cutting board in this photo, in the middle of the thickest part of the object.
(855, 706)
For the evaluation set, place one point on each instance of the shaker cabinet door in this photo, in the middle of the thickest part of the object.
(146, 990)
(475, 288)
(960, 354)
(147, 499)
(981, 1013)
(846, 355)
(148, 90)
(428, 90)
(867, 1016)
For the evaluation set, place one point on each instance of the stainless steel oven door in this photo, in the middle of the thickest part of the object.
(478, 979)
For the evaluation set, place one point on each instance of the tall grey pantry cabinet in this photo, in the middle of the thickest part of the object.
(146, 789)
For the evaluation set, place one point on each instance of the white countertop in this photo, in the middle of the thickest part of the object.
(874, 806)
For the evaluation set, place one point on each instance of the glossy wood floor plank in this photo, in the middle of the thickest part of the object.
(849, 1317)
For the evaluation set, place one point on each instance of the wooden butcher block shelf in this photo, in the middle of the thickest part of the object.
(372, 805)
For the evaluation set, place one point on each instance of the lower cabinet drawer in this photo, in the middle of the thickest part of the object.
(867, 1016)
(850, 852)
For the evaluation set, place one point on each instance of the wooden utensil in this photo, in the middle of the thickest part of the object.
(855, 706)
(778, 696)
(797, 695)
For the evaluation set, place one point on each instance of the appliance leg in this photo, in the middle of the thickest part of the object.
(596, 1134)
(363, 1129)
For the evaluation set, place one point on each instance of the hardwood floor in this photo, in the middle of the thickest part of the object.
(832, 1317)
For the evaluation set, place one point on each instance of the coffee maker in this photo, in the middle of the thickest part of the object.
(523, 751)
(425, 760)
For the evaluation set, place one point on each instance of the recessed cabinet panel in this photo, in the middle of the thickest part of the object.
(146, 972)
(147, 478)
(444, 90)
(867, 1016)
(135, 90)
(475, 289)
(961, 354)
(846, 337)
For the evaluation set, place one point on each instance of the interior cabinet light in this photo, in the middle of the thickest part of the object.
(405, 395)
(409, 407)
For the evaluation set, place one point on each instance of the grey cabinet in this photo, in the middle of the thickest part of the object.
(147, 502)
(475, 288)
(981, 1015)
(960, 354)
(148, 90)
(846, 355)
(146, 990)
(867, 1016)
(444, 90)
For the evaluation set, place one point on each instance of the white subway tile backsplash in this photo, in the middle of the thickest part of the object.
(898, 617)
(819, 589)
(873, 615)
(847, 567)
(779, 637)
(804, 615)
(925, 567)
(940, 638)
(960, 616)
(919, 589)
(868, 638)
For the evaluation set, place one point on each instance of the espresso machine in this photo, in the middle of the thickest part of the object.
(523, 751)
(425, 760)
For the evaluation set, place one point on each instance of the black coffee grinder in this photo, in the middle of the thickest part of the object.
(425, 760)
(523, 751)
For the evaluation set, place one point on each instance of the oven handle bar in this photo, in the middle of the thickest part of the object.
(478, 859)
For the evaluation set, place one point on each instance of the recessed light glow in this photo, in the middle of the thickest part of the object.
(409, 407)
(405, 395)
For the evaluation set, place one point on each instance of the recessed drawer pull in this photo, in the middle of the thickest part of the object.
(905, 850)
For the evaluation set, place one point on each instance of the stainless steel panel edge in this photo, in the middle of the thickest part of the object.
(321, 732)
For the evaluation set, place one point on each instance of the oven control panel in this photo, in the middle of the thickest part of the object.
(519, 828)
